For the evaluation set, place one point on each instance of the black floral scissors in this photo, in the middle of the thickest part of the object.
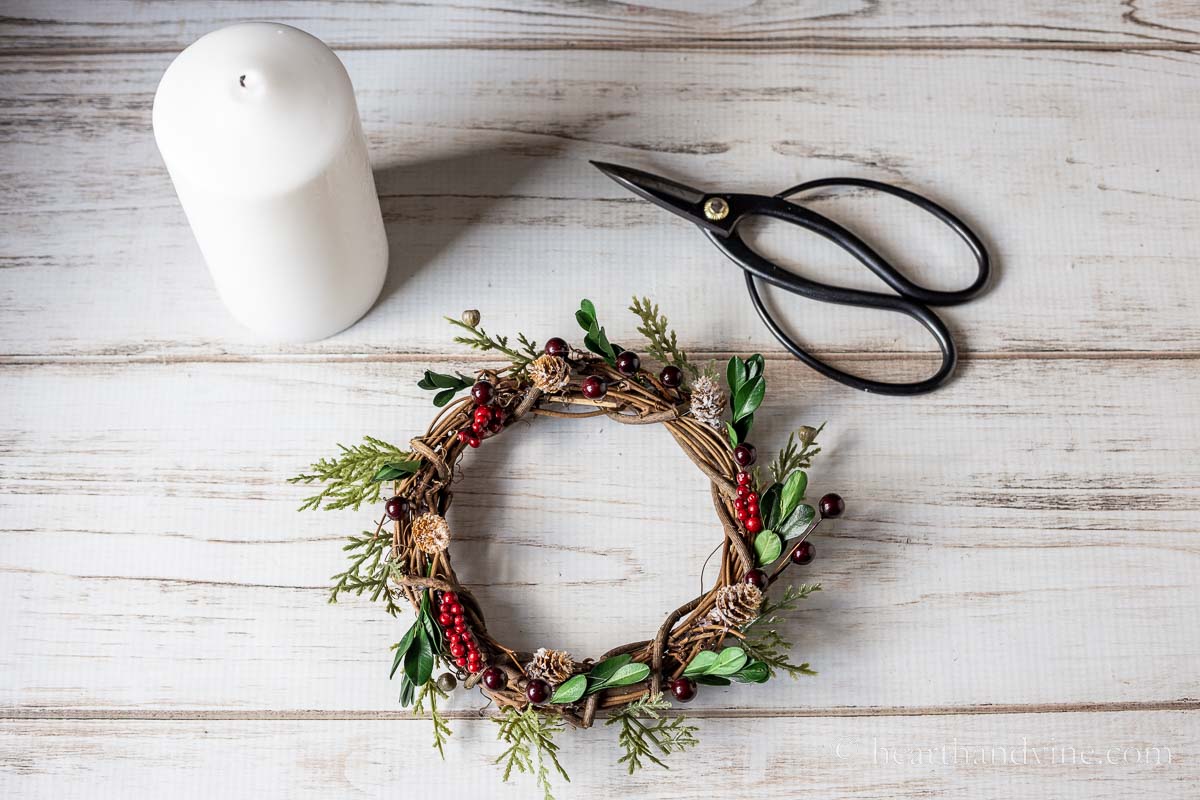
(718, 215)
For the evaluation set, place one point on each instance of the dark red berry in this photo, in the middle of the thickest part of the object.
(683, 689)
(494, 677)
(538, 691)
(756, 578)
(804, 553)
(483, 393)
(742, 515)
(474, 441)
(453, 636)
(745, 455)
(464, 436)
(832, 505)
(628, 363)
(445, 619)
(457, 650)
(754, 524)
(744, 478)
(483, 415)
(495, 426)
(454, 607)
(449, 597)
(556, 347)
(460, 626)
(395, 507)
(739, 505)
(594, 387)
(671, 377)
(742, 492)
(461, 662)
(474, 666)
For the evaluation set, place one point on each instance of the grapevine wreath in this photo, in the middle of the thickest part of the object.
(726, 634)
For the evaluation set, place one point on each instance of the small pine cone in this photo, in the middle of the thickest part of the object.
(708, 401)
(552, 666)
(430, 533)
(737, 604)
(550, 373)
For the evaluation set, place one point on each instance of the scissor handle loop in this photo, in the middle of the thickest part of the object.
(896, 280)
(910, 299)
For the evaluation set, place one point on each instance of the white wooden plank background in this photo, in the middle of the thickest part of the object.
(1019, 563)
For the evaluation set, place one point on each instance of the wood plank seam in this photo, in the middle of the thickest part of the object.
(1182, 704)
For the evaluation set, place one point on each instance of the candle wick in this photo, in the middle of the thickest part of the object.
(242, 81)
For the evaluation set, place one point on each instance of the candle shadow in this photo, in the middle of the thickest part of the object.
(427, 205)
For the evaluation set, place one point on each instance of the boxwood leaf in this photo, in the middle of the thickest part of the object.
(588, 308)
(443, 397)
(735, 375)
(767, 547)
(754, 366)
(729, 661)
(749, 397)
(732, 433)
(768, 506)
(743, 426)
(700, 664)
(407, 690)
(625, 675)
(712, 680)
(754, 672)
(402, 648)
(791, 495)
(418, 661)
(570, 691)
(395, 469)
(605, 669)
(798, 522)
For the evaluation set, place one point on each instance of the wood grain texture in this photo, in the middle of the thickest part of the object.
(125, 25)
(1019, 570)
(1014, 539)
(483, 170)
(1093, 756)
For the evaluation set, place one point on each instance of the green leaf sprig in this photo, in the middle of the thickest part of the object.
(747, 387)
(764, 643)
(477, 338)
(615, 671)
(651, 740)
(446, 386)
(595, 339)
(531, 749)
(350, 478)
(718, 668)
(661, 341)
(417, 651)
(430, 693)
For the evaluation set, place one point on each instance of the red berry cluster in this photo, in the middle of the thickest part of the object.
(487, 420)
(459, 640)
(746, 504)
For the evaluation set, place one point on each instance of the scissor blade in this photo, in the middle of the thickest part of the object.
(663, 192)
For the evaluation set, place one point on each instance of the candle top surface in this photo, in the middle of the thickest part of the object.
(256, 108)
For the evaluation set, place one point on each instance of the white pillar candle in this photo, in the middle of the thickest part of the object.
(259, 130)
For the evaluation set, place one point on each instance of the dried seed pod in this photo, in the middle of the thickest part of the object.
(549, 373)
(470, 317)
(708, 401)
(447, 682)
(552, 666)
(430, 533)
(737, 604)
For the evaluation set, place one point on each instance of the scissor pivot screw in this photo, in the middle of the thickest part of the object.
(715, 208)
